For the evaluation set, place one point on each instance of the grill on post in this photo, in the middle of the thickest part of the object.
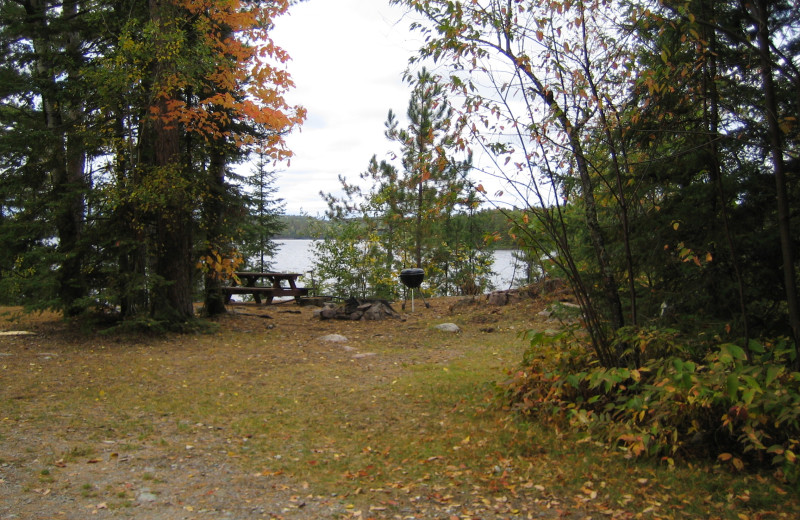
(412, 278)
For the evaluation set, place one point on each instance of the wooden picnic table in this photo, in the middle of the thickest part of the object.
(276, 286)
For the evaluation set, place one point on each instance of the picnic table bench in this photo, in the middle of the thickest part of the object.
(276, 288)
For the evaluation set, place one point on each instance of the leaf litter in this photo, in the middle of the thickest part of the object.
(256, 421)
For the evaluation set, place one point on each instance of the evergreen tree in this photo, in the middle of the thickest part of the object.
(119, 121)
(430, 172)
(264, 218)
(420, 212)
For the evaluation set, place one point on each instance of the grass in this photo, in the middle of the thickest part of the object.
(418, 422)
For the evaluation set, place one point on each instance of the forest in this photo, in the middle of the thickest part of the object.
(655, 145)
(121, 123)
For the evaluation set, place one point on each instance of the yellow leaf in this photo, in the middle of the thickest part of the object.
(786, 124)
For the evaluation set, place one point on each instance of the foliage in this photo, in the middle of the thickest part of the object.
(298, 226)
(624, 127)
(418, 213)
(686, 399)
(265, 218)
(118, 125)
(349, 261)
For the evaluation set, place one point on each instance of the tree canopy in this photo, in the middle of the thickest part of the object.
(656, 145)
(120, 123)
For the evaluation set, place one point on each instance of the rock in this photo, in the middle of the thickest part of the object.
(146, 496)
(464, 303)
(363, 355)
(327, 313)
(334, 338)
(355, 309)
(497, 298)
(378, 312)
(447, 327)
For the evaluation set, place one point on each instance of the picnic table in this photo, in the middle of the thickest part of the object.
(276, 287)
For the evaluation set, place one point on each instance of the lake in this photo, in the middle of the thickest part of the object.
(295, 256)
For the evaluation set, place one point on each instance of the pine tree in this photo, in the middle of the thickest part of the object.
(430, 172)
(263, 221)
(119, 125)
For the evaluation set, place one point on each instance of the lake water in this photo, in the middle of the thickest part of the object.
(295, 256)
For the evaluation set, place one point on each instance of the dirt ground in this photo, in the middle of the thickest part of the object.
(69, 452)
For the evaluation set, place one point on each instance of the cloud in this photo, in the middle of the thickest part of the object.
(348, 58)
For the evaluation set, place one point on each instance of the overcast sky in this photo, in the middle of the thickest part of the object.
(348, 58)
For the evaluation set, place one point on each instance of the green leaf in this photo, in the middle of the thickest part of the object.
(748, 395)
(729, 351)
(733, 386)
(772, 374)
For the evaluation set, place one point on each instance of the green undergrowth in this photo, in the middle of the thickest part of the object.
(683, 402)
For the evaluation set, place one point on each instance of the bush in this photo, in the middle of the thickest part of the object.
(677, 403)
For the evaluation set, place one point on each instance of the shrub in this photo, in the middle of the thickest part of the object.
(676, 403)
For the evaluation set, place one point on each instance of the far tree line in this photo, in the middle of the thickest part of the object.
(494, 225)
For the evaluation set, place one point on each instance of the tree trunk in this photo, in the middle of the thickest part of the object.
(172, 292)
(711, 122)
(66, 156)
(776, 153)
(418, 233)
(214, 210)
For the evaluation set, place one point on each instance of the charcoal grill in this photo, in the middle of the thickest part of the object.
(412, 278)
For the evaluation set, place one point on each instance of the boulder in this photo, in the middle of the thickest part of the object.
(356, 309)
(447, 327)
(334, 338)
(497, 298)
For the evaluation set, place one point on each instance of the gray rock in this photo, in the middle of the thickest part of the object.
(447, 327)
(334, 338)
(497, 298)
(146, 496)
(328, 313)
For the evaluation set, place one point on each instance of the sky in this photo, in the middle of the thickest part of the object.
(348, 59)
